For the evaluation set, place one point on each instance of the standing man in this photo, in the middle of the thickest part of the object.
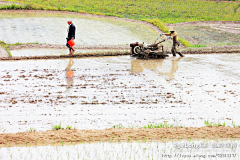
(71, 35)
(176, 43)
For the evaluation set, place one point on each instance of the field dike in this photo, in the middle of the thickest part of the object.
(120, 50)
(74, 136)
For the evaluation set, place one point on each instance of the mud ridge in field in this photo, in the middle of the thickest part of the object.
(54, 137)
(121, 51)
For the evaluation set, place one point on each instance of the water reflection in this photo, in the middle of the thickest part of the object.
(41, 27)
(159, 66)
(69, 74)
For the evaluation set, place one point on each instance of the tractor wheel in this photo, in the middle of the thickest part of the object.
(137, 50)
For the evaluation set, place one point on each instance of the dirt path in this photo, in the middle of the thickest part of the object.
(56, 46)
(52, 137)
(126, 51)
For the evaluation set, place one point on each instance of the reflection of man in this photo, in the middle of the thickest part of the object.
(174, 68)
(139, 66)
(176, 43)
(70, 36)
(69, 74)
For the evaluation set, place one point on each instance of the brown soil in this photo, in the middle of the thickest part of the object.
(57, 137)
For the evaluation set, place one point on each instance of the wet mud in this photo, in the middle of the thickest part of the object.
(98, 93)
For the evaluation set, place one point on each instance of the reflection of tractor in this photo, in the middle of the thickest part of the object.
(161, 67)
(152, 51)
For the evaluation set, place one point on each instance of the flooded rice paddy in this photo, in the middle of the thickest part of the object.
(210, 35)
(97, 93)
(51, 28)
(136, 150)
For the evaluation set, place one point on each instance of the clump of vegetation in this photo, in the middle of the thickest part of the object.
(184, 42)
(31, 130)
(69, 127)
(211, 124)
(5, 46)
(118, 126)
(160, 125)
(57, 127)
(2, 130)
(159, 24)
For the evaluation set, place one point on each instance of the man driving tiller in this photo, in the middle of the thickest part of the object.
(173, 34)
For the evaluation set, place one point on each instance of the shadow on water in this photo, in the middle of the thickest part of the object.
(146, 66)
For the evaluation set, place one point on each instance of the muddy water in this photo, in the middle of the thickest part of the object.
(103, 92)
(193, 150)
(50, 28)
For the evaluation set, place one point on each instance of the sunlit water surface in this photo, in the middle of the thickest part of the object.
(97, 93)
(51, 28)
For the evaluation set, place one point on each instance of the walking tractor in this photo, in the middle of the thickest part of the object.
(153, 51)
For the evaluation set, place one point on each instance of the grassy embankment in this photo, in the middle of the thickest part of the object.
(155, 12)
(6, 45)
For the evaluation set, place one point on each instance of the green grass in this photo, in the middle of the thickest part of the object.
(167, 11)
(2, 130)
(160, 125)
(31, 130)
(211, 124)
(156, 12)
(5, 46)
(118, 126)
(69, 127)
(166, 125)
(57, 127)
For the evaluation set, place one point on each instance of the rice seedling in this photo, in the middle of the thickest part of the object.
(211, 124)
(69, 127)
(118, 126)
(159, 125)
(2, 130)
(57, 127)
(31, 130)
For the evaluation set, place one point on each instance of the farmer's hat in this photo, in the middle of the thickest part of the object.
(171, 30)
